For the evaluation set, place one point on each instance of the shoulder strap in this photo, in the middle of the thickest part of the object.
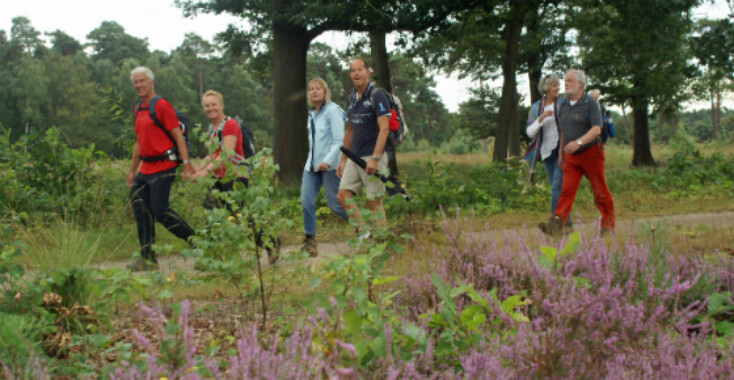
(556, 108)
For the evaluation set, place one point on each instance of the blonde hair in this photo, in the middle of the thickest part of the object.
(214, 94)
(322, 83)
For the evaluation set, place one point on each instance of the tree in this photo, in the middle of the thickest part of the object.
(478, 115)
(636, 53)
(23, 35)
(713, 47)
(293, 25)
(63, 43)
(109, 41)
(195, 46)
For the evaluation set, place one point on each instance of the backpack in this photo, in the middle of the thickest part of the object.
(183, 124)
(396, 124)
(248, 147)
(607, 129)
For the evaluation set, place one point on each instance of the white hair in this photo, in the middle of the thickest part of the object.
(580, 76)
(547, 82)
(142, 69)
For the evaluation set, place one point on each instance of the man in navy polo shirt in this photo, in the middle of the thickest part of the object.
(366, 135)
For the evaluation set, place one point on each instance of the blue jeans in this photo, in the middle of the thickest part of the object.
(555, 177)
(310, 185)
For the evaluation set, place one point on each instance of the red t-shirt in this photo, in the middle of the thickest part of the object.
(151, 138)
(230, 128)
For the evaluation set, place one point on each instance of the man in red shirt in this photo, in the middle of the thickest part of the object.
(151, 187)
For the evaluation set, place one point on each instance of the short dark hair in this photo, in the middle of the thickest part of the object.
(364, 61)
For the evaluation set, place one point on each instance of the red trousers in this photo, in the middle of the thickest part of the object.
(589, 163)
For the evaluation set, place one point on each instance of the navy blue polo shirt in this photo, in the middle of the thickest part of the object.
(363, 116)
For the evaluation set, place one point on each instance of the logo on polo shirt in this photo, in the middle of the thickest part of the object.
(367, 104)
(382, 107)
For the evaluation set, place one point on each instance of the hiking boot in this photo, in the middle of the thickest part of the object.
(365, 236)
(273, 253)
(554, 227)
(141, 265)
(310, 246)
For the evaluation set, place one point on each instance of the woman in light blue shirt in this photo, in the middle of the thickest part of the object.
(325, 134)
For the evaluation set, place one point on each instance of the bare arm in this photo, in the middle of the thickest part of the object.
(382, 123)
(588, 137)
(183, 151)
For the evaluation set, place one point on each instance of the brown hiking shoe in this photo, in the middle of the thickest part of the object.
(310, 246)
(142, 265)
(273, 253)
(554, 227)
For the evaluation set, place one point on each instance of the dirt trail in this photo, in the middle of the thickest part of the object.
(721, 222)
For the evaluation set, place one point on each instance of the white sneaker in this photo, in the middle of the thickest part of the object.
(365, 236)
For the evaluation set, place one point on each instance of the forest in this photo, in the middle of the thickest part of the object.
(457, 283)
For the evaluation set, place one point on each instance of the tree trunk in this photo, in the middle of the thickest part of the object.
(290, 46)
(717, 116)
(641, 155)
(673, 126)
(380, 61)
(381, 77)
(660, 126)
(713, 114)
(507, 129)
(201, 76)
(534, 77)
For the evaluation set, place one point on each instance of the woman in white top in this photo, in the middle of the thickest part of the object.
(542, 120)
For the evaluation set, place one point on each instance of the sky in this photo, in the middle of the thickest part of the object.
(164, 26)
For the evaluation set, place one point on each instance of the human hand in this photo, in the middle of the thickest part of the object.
(371, 167)
(547, 113)
(571, 147)
(188, 171)
(130, 178)
(340, 169)
(322, 167)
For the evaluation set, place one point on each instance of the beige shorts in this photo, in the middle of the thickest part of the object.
(354, 177)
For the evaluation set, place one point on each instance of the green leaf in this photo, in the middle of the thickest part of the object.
(352, 321)
(549, 252)
(582, 282)
(165, 294)
(472, 317)
(378, 345)
(725, 328)
(384, 280)
(573, 243)
(719, 303)
(314, 282)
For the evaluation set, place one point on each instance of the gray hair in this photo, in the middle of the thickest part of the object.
(580, 76)
(545, 84)
(142, 69)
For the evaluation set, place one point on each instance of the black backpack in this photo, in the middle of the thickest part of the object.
(398, 129)
(183, 124)
(248, 146)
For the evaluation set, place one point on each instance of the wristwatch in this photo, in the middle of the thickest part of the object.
(185, 162)
(579, 142)
(376, 158)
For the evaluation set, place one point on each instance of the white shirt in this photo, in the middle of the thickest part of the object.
(550, 133)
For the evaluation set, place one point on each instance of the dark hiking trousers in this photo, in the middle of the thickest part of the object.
(149, 199)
